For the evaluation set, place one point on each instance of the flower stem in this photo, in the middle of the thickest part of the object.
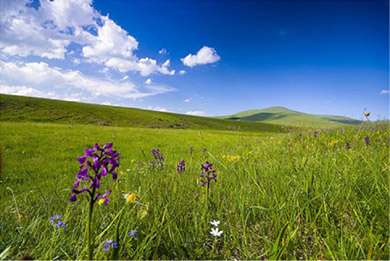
(90, 248)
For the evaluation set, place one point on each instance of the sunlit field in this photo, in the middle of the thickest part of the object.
(306, 194)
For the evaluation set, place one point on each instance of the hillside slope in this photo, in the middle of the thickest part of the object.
(281, 115)
(23, 109)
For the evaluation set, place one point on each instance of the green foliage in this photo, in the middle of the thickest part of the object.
(280, 196)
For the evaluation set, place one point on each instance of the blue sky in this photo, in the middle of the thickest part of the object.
(200, 57)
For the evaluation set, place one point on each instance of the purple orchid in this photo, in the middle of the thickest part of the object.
(100, 161)
(347, 145)
(315, 134)
(207, 174)
(367, 140)
(181, 167)
(158, 156)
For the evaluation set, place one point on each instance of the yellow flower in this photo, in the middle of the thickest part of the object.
(334, 142)
(130, 198)
(121, 172)
(101, 201)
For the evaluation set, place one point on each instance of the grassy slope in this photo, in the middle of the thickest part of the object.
(22, 109)
(280, 115)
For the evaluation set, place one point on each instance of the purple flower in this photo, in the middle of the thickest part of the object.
(54, 218)
(347, 146)
(315, 134)
(61, 224)
(367, 140)
(158, 156)
(181, 167)
(191, 150)
(133, 233)
(95, 164)
(299, 135)
(207, 174)
(109, 243)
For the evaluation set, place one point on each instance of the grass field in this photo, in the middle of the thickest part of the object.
(277, 195)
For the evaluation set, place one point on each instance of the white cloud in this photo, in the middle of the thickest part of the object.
(125, 78)
(182, 72)
(187, 100)
(204, 56)
(49, 30)
(196, 113)
(148, 81)
(76, 61)
(162, 51)
(156, 108)
(25, 91)
(41, 76)
(384, 92)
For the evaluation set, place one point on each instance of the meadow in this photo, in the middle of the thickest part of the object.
(277, 196)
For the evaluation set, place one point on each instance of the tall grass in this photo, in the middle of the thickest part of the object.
(280, 196)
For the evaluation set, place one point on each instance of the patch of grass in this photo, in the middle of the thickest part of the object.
(284, 196)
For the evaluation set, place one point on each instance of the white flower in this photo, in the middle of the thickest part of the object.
(126, 195)
(216, 232)
(215, 223)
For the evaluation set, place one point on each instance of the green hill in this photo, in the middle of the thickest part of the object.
(28, 109)
(284, 116)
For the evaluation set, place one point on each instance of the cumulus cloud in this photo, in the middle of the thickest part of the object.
(148, 81)
(196, 113)
(384, 92)
(204, 56)
(182, 72)
(41, 77)
(49, 30)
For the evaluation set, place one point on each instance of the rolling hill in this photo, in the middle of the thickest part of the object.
(28, 109)
(284, 116)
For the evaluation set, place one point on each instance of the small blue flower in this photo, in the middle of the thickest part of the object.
(54, 218)
(109, 243)
(133, 233)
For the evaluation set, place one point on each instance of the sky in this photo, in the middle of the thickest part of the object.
(206, 58)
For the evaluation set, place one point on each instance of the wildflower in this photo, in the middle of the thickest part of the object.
(159, 157)
(367, 114)
(215, 223)
(54, 218)
(121, 172)
(299, 135)
(61, 224)
(341, 130)
(347, 146)
(133, 233)
(208, 174)
(102, 161)
(101, 201)
(181, 167)
(130, 197)
(216, 232)
(191, 150)
(109, 243)
(367, 140)
(315, 134)
(334, 142)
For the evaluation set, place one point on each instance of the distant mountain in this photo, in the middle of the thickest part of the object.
(284, 116)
